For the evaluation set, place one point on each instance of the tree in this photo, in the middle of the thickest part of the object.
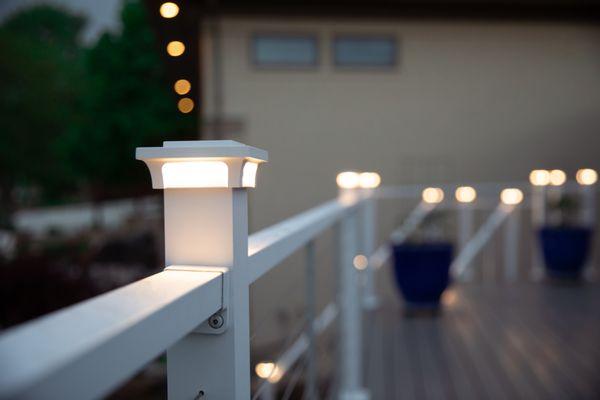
(128, 103)
(40, 79)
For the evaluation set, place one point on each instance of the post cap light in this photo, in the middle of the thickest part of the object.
(557, 177)
(175, 48)
(369, 180)
(586, 176)
(360, 262)
(465, 194)
(202, 164)
(348, 180)
(269, 371)
(511, 196)
(539, 177)
(432, 195)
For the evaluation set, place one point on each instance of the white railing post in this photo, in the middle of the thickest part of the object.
(311, 307)
(511, 240)
(465, 232)
(368, 214)
(538, 220)
(350, 326)
(206, 227)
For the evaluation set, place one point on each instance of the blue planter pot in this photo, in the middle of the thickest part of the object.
(565, 250)
(422, 272)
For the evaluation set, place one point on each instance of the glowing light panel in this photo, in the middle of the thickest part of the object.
(511, 196)
(465, 194)
(269, 371)
(586, 176)
(539, 177)
(249, 174)
(557, 177)
(182, 86)
(348, 180)
(369, 180)
(432, 195)
(195, 174)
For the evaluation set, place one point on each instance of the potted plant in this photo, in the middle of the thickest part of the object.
(422, 263)
(565, 243)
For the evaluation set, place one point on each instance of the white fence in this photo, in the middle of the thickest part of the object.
(197, 310)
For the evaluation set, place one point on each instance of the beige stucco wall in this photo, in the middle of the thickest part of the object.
(469, 101)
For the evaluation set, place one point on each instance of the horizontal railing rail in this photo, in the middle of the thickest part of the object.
(86, 350)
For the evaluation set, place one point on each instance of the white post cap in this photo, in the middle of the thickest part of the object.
(202, 163)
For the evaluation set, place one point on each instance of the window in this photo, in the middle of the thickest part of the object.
(364, 51)
(284, 50)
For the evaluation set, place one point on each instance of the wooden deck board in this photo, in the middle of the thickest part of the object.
(526, 341)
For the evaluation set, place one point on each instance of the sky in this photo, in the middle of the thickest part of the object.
(102, 15)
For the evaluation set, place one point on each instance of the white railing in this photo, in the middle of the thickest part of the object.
(197, 309)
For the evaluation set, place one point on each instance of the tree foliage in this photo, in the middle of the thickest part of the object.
(71, 117)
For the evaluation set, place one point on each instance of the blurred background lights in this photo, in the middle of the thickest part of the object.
(432, 195)
(465, 194)
(511, 196)
(369, 180)
(185, 105)
(268, 370)
(169, 10)
(360, 262)
(557, 177)
(348, 180)
(175, 48)
(539, 177)
(182, 86)
(586, 176)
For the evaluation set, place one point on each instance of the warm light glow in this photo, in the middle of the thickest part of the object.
(557, 177)
(539, 177)
(432, 195)
(369, 180)
(465, 194)
(586, 176)
(511, 196)
(175, 48)
(269, 371)
(249, 174)
(169, 10)
(449, 298)
(195, 174)
(360, 262)
(185, 105)
(348, 180)
(182, 86)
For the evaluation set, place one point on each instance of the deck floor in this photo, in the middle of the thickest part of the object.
(529, 341)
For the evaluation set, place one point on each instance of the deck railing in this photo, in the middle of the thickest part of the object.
(197, 310)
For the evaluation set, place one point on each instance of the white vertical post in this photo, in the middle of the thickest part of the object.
(311, 306)
(350, 328)
(206, 226)
(538, 220)
(588, 219)
(465, 232)
(368, 214)
(512, 230)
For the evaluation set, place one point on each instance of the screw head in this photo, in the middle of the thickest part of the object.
(216, 321)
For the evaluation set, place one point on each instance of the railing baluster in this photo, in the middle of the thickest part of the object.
(311, 306)
(369, 238)
(350, 326)
(511, 246)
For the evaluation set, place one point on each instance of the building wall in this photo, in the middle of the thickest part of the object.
(469, 101)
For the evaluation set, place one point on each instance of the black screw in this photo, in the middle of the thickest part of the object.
(199, 395)
(216, 321)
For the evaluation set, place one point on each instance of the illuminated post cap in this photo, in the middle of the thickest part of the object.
(369, 180)
(557, 177)
(465, 194)
(586, 176)
(539, 177)
(202, 164)
(511, 196)
(348, 180)
(432, 195)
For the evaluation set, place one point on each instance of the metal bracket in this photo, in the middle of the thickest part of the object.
(217, 323)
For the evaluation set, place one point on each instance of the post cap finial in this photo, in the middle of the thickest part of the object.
(202, 164)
